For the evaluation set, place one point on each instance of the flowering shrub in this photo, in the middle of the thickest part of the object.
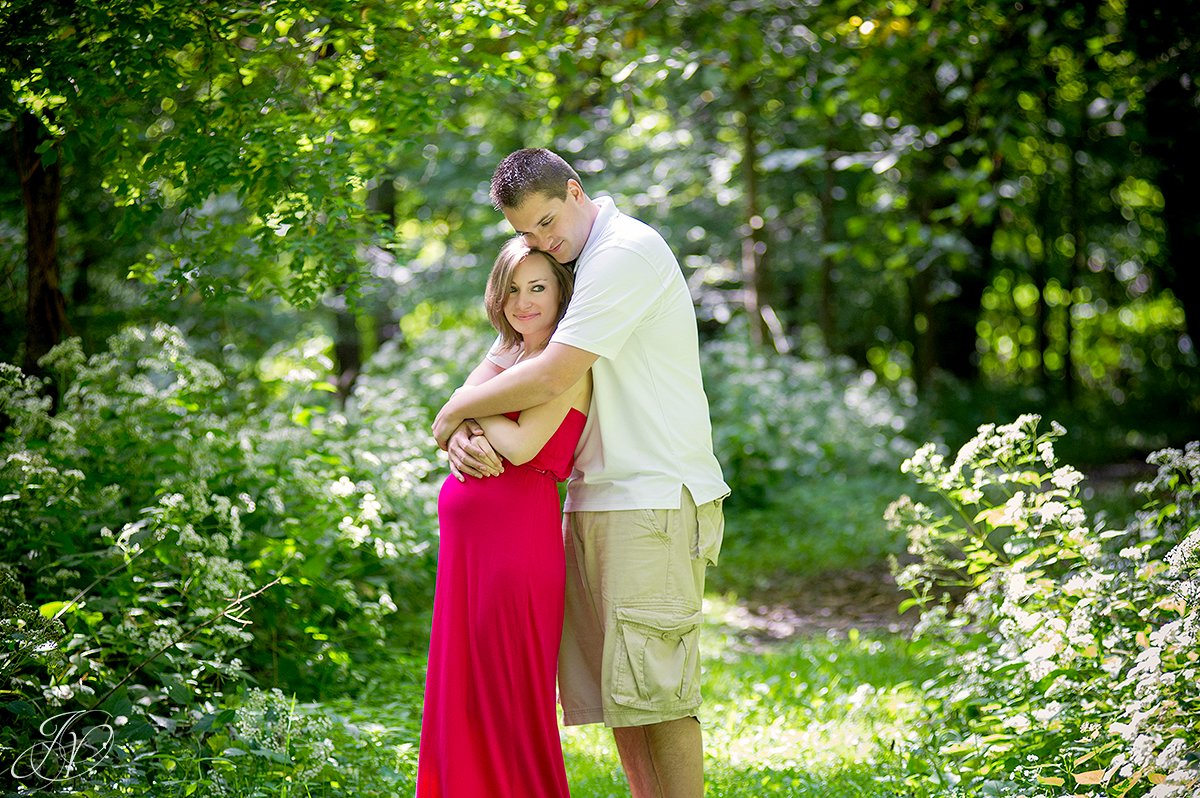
(779, 417)
(140, 517)
(1072, 647)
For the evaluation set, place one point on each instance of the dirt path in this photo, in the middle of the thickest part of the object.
(831, 603)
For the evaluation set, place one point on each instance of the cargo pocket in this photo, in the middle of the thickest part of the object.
(656, 658)
(710, 530)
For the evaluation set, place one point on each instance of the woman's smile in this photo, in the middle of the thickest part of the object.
(533, 298)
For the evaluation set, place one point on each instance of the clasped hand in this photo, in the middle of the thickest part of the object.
(471, 454)
(468, 448)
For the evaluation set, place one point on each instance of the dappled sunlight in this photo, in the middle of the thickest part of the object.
(812, 714)
(816, 702)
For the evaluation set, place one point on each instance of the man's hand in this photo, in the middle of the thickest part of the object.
(471, 454)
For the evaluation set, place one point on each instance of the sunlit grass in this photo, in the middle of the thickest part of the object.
(826, 523)
(815, 716)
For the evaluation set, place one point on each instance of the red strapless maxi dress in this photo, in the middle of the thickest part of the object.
(489, 728)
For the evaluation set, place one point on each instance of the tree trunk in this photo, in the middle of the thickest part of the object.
(347, 345)
(41, 191)
(383, 200)
(1174, 125)
(1040, 273)
(1078, 260)
(828, 311)
(958, 319)
(361, 327)
(921, 311)
(754, 268)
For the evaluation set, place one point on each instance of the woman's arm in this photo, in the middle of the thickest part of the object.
(520, 440)
(471, 453)
(520, 387)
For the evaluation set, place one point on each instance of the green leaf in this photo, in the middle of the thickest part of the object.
(52, 608)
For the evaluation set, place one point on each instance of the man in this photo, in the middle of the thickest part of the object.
(643, 510)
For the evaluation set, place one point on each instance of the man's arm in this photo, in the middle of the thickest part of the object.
(483, 372)
(470, 451)
(525, 385)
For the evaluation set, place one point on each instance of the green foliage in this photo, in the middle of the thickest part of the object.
(164, 521)
(808, 445)
(823, 523)
(782, 418)
(256, 128)
(1073, 645)
(270, 744)
(1004, 218)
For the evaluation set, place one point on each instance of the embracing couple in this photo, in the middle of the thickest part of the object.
(595, 376)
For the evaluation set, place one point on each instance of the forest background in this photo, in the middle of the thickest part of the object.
(243, 248)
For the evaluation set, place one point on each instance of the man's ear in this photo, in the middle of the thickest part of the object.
(574, 190)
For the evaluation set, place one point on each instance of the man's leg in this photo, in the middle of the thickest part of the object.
(663, 760)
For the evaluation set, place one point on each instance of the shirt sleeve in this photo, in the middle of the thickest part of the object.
(612, 295)
(502, 356)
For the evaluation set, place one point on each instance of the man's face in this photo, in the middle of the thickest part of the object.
(558, 227)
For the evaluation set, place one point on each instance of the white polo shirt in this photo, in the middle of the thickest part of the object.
(648, 432)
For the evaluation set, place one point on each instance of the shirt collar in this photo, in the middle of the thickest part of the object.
(608, 212)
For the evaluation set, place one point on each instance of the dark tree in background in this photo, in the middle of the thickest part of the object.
(989, 198)
(1167, 47)
(237, 140)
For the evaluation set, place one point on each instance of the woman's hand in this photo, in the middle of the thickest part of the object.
(471, 453)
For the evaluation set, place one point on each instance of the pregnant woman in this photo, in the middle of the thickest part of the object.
(489, 727)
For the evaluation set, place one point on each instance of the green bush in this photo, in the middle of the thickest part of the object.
(179, 537)
(781, 420)
(809, 447)
(1071, 648)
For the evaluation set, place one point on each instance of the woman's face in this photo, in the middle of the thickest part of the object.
(531, 305)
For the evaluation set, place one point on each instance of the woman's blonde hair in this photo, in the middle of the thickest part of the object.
(511, 255)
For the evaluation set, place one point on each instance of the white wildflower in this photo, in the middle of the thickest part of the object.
(342, 488)
(1018, 723)
(1040, 660)
(1143, 748)
(1066, 478)
(1134, 553)
(386, 549)
(1173, 633)
(924, 460)
(1046, 453)
(1014, 510)
(1051, 511)
(1047, 713)
(1184, 552)
(355, 533)
(58, 694)
(370, 507)
(188, 538)
(1085, 584)
(1017, 587)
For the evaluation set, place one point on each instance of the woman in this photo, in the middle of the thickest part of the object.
(489, 727)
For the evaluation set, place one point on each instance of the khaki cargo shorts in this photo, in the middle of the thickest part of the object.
(630, 653)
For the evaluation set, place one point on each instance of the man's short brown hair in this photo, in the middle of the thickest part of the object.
(530, 171)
